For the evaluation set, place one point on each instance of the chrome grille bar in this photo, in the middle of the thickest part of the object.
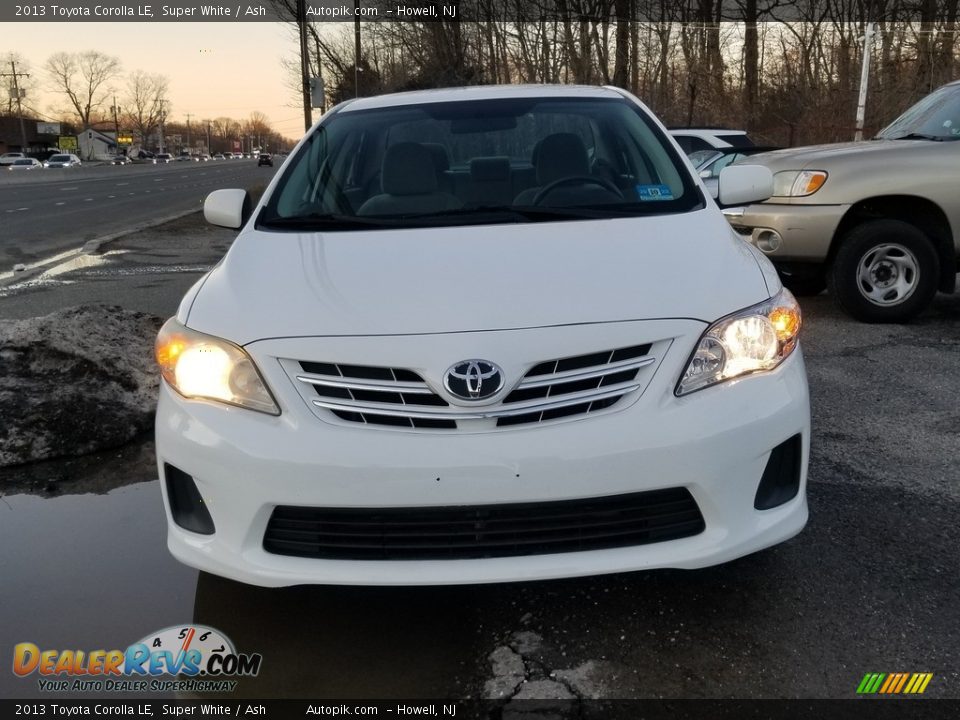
(481, 414)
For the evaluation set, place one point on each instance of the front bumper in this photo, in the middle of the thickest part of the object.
(715, 442)
(804, 232)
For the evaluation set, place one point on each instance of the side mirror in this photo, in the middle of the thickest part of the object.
(743, 184)
(228, 208)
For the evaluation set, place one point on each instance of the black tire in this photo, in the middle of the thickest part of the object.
(804, 286)
(885, 271)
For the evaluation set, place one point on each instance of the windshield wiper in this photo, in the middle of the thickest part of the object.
(325, 221)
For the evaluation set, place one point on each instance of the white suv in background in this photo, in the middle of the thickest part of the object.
(693, 139)
(477, 335)
(11, 157)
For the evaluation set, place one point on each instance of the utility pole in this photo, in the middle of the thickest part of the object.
(208, 137)
(356, 48)
(160, 126)
(304, 63)
(16, 91)
(116, 122)
(188, 130)
(864, 80)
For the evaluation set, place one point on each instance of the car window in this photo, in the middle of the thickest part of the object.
(736, 140)
(474, 161)
(936, 116)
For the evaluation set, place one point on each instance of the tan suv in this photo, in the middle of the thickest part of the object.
(878, 221)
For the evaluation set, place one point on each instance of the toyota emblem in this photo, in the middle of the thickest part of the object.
(474, 379)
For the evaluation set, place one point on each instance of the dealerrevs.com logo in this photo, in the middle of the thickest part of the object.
(203, 658)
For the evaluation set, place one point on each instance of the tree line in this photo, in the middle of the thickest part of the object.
(789, 72)
(91, 90)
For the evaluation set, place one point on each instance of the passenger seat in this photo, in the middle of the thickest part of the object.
(490, 183)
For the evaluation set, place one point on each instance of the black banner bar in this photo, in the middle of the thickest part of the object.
(853, 709)
(710, 13)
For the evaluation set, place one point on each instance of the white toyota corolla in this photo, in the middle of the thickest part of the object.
(482, 335)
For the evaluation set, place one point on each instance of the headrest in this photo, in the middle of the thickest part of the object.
(408, 170)
(489, 169)
(441, 161)
(560, 156)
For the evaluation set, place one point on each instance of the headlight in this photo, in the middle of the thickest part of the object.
(753, 340)
(200, 366)
(798, 183)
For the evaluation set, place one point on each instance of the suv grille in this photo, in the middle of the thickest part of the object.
(551, 390)
(486, 531)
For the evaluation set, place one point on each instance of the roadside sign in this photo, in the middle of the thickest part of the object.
(67, 142)
(125, 139)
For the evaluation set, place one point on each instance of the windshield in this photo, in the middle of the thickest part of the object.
(486, 161)
(936, 117)
(59, 158)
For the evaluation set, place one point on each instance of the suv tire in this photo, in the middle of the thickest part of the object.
(885, 271)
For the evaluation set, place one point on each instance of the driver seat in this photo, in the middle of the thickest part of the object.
(557, 156)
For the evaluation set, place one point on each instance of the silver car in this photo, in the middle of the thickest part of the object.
(64, 160)
(878, 221)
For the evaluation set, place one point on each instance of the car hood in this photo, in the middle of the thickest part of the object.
(460, 279)
(823, 157)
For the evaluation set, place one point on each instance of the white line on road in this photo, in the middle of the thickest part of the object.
(73, 188)
(87, 199)
(61, 203)
(122, 184)
(158, 179)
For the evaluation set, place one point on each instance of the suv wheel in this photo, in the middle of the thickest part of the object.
(884, 271)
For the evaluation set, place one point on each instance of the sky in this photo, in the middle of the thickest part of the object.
(215, 69)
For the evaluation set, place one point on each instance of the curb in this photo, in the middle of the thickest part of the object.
(89, 247)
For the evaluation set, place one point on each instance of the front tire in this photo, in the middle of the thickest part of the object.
(885, 271)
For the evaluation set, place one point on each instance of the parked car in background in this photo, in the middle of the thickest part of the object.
(188, 158)
(204, 157)
(219, 156)
(709, 163)
(120, 160)
(526, 366)
(164, 158)
(693, 139)
(10, 157)
(265, 159)
(25, 164)
(876, 221)
(63, 160)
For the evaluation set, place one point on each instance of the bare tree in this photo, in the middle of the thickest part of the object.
(145, 100)
(85, 79)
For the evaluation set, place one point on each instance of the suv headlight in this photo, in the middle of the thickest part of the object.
(204, 367)
(753, 340)
(798, 183)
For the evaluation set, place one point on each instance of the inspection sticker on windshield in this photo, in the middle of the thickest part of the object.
(654, 192)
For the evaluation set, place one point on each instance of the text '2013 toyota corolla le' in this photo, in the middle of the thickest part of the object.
(482, 335)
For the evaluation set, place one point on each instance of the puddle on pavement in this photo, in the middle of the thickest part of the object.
(85, 566)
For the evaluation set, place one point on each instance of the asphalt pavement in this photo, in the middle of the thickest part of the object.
(871, 585)
(44, 212)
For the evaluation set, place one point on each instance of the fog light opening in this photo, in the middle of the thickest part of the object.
(768, 241)
(186, 504)
(780, 482)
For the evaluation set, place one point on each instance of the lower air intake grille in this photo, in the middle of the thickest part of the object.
(486, 531)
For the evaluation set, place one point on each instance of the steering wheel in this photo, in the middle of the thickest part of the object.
(575, 180)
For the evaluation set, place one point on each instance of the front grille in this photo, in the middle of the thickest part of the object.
(576, 385)
(485, 531)
(396, 397)
(364, 394)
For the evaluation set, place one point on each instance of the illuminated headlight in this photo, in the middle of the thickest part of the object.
(798, 183)
(753, 340)
(203, 367)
